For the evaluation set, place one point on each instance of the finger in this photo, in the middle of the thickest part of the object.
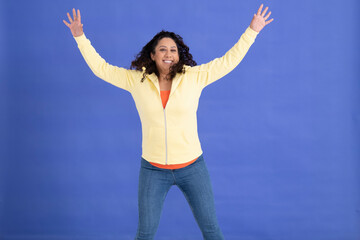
(79, 16)
(66, 23)
(267, 22)
(268, 15)
(263, 14)
(260, 8)
(68, 14)
(74, 14)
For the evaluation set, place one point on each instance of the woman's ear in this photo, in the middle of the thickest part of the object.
(152, 56)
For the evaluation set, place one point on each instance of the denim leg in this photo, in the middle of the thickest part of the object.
(194, 182)
(154, 184)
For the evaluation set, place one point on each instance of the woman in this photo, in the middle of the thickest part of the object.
(166, 84)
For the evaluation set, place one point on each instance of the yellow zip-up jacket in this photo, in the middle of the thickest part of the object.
(169, 136)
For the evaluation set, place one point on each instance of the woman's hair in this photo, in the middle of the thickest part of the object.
(143, 58)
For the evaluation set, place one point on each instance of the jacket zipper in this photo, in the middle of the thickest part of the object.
(166, 150)
(166, 147)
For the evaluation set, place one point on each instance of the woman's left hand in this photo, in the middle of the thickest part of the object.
(259, 20)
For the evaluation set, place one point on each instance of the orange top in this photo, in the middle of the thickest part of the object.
(164, 98)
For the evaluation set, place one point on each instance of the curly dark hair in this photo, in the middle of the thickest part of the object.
(143, 58)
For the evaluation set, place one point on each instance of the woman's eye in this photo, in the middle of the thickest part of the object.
(173, 50)
(162, 50)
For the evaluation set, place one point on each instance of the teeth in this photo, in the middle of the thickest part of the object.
(168, 61)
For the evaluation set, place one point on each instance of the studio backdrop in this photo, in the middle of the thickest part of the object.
(280, 133)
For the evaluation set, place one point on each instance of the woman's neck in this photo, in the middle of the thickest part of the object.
(164, 83)
(163, 77)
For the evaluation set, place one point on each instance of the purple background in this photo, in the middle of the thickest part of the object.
(280, 133)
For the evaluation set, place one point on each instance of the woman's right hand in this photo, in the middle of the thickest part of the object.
(75, 25)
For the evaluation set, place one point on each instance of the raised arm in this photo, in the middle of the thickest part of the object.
(259, 20)
(75, 25)
(117, 76)
(219, 67)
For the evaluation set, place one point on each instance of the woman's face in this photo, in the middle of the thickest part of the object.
(166, 54)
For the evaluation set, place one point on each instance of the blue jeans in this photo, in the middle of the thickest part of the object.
(193, 181)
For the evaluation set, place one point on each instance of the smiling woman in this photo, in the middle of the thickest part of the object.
(166, 85)
(164, 46)
(165, 56)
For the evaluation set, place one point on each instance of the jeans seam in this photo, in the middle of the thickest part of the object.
(172, 172)
(192, 209)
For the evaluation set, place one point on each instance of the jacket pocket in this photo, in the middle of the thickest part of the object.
(180, 140)
(154, 142)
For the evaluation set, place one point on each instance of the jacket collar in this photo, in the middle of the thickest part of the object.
(175, 82)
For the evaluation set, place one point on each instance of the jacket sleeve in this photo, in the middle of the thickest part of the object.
(219, 67)
(117, 76)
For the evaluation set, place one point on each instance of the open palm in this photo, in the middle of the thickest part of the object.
(75, 25)
(259, 20)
